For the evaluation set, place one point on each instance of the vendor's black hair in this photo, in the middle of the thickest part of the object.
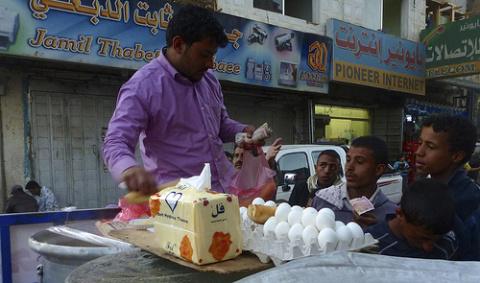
(194, 23)
(376, 145)
(429, 204)
(462, 134)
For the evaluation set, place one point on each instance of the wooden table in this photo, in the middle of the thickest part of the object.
(142, 266)
(153, 265)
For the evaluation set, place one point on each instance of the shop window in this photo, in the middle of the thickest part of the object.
(301, 9)
(392, 17)
(269, 5)
(343, 123)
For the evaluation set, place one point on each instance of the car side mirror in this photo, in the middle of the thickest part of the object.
(289, 178)
(285, 188)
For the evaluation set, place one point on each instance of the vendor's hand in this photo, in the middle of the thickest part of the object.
(365, 220)
(138, 179)
(273, 149)
(249, 129)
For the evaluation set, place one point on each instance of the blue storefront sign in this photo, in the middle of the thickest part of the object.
(128, 34)
(367, 57)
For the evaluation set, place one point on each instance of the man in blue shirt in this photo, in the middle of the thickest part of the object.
(446, 143)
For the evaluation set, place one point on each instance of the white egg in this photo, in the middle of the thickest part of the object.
(344, 237)
(269, 226)
(270, 203)
(284, 204)
(323, 221)
(294, 216)
(297, 208)
(308, 217)
(309, 234)
(338, 224)
(310, 210)
(328, 212)
(245, 218)
(243, 210)
(282, 211)
(356, 230)
(281, 230)
(295, 232)
(259, 201)
(327, 238)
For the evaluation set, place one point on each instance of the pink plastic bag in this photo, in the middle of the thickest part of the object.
(254, 179)
(132, 211)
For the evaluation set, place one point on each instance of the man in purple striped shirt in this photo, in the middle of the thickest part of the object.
(174, 108)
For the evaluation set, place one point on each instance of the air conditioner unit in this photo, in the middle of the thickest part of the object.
(9, 22)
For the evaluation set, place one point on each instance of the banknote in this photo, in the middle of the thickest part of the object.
(361, 205)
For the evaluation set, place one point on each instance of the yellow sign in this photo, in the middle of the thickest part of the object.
(363, 75)
(454, 70)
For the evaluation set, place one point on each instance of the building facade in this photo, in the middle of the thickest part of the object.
(351, 108)
(58, 82)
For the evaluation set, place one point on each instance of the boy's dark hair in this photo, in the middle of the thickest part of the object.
(194, 23)
(428, 203)
(376, 145)
(32, 185)
(331, 153)
(462, 134)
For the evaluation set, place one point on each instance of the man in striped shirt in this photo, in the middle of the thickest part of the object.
(422, 225)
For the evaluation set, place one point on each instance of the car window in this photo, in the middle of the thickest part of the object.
(293, 163)
(315, 155)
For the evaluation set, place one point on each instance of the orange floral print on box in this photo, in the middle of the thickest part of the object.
(220, 245)
(186, 250)
(154, 203)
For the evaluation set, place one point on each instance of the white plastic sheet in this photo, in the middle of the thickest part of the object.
(346, 267)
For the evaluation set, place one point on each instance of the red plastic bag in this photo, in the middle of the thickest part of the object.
(132, 211)
(254, 179)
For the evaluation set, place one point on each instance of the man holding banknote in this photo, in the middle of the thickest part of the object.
(359, 199)
(173, 107)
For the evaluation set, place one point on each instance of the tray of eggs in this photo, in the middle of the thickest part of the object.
(282, 233)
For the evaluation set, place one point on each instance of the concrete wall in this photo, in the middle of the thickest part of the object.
(245, 9)
(12, 118)
(413, 18)
(366, 13)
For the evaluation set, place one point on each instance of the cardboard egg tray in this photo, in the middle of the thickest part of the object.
(268, 248)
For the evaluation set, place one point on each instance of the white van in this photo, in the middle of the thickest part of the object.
(298, 162)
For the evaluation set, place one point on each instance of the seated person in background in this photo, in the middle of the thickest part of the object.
(327, 171)
(20, 201)
(367, 158)
(422, 226)
(44, 196)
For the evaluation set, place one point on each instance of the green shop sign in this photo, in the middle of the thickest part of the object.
(452, 49)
